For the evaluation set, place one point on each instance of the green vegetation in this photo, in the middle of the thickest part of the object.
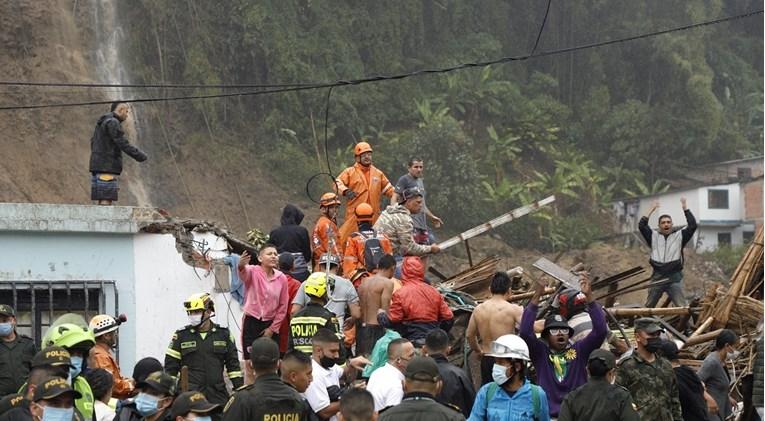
(588, 126)
(727, 257)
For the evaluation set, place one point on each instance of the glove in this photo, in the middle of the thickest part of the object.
(350, 194)
(334, 393)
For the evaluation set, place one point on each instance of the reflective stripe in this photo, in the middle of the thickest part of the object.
(308, 319)
(234, 374)
(308, 349)
(173, 353)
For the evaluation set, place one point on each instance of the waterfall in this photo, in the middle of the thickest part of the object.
(110, 69)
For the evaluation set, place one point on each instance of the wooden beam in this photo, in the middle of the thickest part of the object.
(647, 312)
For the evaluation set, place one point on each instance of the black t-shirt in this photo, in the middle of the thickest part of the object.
(691, 394)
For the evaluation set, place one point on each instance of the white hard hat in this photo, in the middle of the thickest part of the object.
(509, 346)
(103, 323)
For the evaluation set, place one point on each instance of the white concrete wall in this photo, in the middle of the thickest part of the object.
(734, 211)
(163, 282)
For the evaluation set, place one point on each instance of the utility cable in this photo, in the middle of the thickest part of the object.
(421, 72)
(541, 29)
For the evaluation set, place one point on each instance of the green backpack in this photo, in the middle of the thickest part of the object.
(492, 390)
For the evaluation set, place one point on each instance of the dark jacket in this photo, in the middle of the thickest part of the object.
(290, 236)
(15, 361)
(206, 359)
(757, 387)
(267, 398)
(419, 406)
(23, 413)
(108, 143)
(128, 412)
(691, 394)
(667, 262)
(598, 400)
(306, 322)
(457, 390)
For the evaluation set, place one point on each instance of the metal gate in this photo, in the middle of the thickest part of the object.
(39, 303)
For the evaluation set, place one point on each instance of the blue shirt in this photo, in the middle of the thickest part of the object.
(503, 407)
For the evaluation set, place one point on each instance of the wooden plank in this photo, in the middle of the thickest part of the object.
(647, 312)
(566, 277)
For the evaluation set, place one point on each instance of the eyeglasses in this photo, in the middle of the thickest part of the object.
(558, 331)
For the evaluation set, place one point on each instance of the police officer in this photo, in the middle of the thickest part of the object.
(649, 377)
(421, 385)
(206, 348)
(306, 322)
(269, 397)
(598, 399)
(78, 341)
(16, 352)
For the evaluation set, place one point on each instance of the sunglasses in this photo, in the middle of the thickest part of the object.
(560, 331)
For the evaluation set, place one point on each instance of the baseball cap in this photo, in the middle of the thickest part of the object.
(264, 351)
(192, 402)
(607, 357)
(160, 381)
(52, 387)
(422, 369)
(53, 356)
(648, 325)
(11, 401)
(7, 310)
(410, 193)
(556, 321)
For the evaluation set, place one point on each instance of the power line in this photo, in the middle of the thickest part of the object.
(379, 78)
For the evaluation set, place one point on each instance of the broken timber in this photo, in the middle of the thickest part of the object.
(494, 223)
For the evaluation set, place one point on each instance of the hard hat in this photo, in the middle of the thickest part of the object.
(103, 323)
(331, 258)
(328, 199)
(364, 212)
(316, 285)
(71, 336)
(361, 147)
(509, 346)
(199, 301)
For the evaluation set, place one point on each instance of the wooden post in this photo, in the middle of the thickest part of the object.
(647, 312)
(470, 256)
(700, 339)
(184, 380)
(703, 328)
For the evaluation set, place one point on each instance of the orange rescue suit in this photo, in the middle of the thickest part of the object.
(354, 251)
(324, 230)
(370, 184)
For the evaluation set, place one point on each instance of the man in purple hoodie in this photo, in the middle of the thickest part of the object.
(561, 367)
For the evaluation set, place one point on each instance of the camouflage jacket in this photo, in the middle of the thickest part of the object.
(396, 223)
(653, 387)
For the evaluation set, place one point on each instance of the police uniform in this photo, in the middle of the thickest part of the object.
(15, 358)
(598, 400)
(47, 389)
(306, 322)
(205, 354)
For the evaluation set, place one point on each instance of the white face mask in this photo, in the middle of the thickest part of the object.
(499, 374)
(195, 319)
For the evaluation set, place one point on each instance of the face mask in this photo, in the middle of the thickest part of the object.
(195, 319)
(653, 345)
(77, 363)
(6, 329)
(57, 414)
(327, 362)
(499, 374)
(146, 404)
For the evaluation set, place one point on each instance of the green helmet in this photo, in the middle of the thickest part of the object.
(71, 336)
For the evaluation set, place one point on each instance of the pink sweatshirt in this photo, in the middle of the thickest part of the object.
(265, 299)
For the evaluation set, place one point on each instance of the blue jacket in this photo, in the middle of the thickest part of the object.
(503, 407)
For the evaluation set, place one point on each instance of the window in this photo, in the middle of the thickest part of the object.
(744, 173)
(748, 236)
(723, 238)
(717, 199)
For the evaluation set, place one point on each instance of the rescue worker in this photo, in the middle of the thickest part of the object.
(421, 385)
(16, 352)
(104, 328)
(154, 400)
(77, 341)
(54, 400)
(511, 396)
(361, 183)
(599, 399)
(362, 245)
(206, 348)
(268, 398)
(457, 389)
(416, 308)
(314, 316)
(649, 377)
(325, 238)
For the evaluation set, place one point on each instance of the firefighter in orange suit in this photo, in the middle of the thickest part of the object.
(361, 183)
(325, 238)
(362, 245)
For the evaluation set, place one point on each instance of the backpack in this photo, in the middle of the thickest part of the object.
(535, 402)
(373, 250)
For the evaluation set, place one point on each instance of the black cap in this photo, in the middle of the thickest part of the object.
(52, 387)
(161, 382)
(52, 356)
(648, 325)
(7, 310)
(11, 401)
(410, 193)
(192, 402)
(556, 321)
(144, 367)
(264, 351)
(423, 369)
(607, 357)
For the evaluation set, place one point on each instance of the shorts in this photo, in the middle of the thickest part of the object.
(366, 337)
(252, 329)
(104, 186)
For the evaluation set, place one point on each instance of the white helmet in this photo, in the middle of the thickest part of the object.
(103, 323)
(509, 346)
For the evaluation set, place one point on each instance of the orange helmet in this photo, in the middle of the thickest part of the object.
(328, 199)
(364, 212)
(362, 147)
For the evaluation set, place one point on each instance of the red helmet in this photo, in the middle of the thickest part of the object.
(361, 147)
(328, 199)
(364, 212)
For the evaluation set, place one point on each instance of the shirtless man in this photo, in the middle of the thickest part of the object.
(491, 319)
(374, 294)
